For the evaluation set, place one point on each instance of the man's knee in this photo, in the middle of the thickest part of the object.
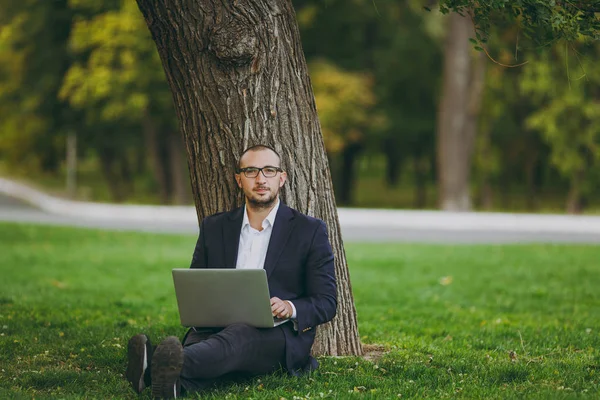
(240, 329)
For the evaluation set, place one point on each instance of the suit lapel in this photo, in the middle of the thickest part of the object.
(279, 236)
(231, 237)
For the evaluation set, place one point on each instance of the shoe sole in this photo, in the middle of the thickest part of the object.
(137, 356)
(167, 362)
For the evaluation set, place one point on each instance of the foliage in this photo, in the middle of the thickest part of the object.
(392, 42)
(33, 59)
(121, 74)
(440, 321)
(91, 68)
(542, 20)
(345, 103)
(567, 110)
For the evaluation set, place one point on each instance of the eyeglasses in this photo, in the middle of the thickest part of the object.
(252, 172)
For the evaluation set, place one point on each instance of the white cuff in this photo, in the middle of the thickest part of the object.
(293, 309)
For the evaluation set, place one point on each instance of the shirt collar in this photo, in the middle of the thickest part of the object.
(269, 221)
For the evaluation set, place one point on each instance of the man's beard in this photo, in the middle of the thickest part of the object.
(264, 202)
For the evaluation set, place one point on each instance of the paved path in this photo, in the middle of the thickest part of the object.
(357, 224)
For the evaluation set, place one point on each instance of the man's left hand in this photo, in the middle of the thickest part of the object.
(281, 309)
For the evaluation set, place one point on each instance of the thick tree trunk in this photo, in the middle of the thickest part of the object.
(238, 77)
(455, 121)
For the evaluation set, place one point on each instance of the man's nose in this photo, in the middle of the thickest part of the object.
(260, 177)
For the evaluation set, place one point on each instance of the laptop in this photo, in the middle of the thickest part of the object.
(216, 298)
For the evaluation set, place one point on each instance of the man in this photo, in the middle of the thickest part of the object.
(295, 252)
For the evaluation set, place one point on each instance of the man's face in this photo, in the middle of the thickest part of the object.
(260, 191)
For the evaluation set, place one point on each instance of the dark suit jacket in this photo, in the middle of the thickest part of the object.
(299, 266)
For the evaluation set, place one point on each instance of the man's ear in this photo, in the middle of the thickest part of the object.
(282, 178)
(238, 179)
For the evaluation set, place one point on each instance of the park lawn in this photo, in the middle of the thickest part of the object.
(446, 317)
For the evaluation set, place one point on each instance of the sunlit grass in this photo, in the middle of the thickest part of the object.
(448, 318)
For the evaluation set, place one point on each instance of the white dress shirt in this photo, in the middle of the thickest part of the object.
(254, 244)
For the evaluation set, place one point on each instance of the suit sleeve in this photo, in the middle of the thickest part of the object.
(320, 303)
(199, 256)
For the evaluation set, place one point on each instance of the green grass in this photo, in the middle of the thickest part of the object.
(447, 317)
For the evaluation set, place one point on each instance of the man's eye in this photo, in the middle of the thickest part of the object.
(270, 170)
(252, 170)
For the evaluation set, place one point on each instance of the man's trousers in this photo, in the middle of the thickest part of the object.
(239, 349)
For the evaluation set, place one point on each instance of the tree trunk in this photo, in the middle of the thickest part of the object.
(392, 170)
(420, 175)
(238, 77)
(72, 164)
(574, 198)
(487, 195)
(347, 173)
(455, 120)
(155, 161)
(107, 161)
(530, 170)
(179, 179)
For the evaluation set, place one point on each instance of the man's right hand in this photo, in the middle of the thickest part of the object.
(281, 309)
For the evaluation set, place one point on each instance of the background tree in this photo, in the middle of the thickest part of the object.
(345, 103)
(565, 86)
(538, 20)
(119, 85)
(392, 41)
(33, 59)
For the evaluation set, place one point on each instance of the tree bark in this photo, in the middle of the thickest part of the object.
(238, 77)
(455, 135)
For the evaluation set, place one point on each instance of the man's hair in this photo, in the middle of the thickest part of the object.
(258, 147)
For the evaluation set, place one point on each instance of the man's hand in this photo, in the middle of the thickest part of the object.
(281, 309)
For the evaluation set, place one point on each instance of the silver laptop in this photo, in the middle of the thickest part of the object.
(216, 298)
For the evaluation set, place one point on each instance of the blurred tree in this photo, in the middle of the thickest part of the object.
(119, 84)
(345, 103)
(458, 113)
(33, 59)
(390, 40)
(564, 84)
(506, 152)
(469, 19)
(407, 67)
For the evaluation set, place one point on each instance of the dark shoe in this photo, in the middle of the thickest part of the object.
(139, 356)
(167, 362)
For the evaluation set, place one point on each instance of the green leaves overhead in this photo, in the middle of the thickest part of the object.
(542, 20)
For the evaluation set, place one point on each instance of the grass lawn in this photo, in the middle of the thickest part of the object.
(448, 318)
